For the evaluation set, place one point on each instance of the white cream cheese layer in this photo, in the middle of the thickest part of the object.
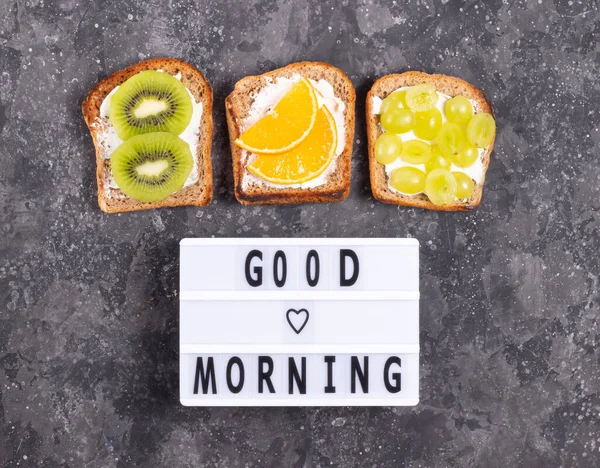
(109, 140)
(267, 98)
(474, 171)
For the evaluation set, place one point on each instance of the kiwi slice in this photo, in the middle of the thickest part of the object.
(152, 166)
(150, 101)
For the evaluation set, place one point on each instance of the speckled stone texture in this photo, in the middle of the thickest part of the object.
(510, 307)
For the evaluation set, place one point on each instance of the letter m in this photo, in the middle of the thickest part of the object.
(206, 376)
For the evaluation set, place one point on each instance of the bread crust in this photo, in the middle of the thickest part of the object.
(237, 106)
(113, 200)
(449, 85)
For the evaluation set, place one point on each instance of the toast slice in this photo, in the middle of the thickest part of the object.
(448, 85)
(110, 198)
(250, 190)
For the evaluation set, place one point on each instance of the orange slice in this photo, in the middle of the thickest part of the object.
(306, 161)
(286, 125)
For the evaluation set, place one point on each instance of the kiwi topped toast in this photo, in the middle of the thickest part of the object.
(151, 124)
(429, 139)
(291, 132)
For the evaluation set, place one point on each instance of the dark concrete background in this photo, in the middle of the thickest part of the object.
(510, 307)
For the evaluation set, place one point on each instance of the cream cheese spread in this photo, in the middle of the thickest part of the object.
(267, 98)
(474, 171)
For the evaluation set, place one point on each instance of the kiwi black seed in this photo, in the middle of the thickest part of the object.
(150, 101)
(152, 166)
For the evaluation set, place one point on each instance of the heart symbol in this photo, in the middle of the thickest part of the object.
(297, 319)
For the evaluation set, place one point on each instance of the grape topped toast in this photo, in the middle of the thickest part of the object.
(429, 140)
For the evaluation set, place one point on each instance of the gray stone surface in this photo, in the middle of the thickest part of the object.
(510, 333)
